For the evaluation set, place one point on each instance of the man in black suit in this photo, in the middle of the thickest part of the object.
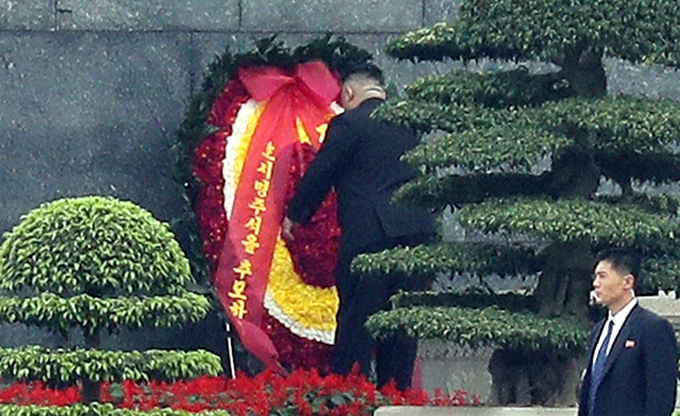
(360, 160)
(633, 353)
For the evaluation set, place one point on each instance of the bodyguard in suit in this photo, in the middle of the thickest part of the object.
(633, 353)
(360, 160)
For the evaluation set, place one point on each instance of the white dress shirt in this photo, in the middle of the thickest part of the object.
(619, 319)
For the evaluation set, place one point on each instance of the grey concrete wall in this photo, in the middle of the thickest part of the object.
(93, 91)
(90, 113)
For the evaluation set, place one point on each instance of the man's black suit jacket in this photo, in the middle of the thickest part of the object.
(360, 159)
(640, 372)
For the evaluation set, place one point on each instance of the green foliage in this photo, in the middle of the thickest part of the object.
(489, 130)
(425, 116)
(69, 366)
(659, 273)
(513, 88)
(476, 327)
(427, 260)
(439, 191)
(663, 204)
(443, 40)
(93, 314)
(616, 124)
(510, 147)
(644, 31)
(571, 220)
(96, 264)
(630, 138)
(513, 302)
(92, 245)
(484, 139)
(85, 257)
(97, 409)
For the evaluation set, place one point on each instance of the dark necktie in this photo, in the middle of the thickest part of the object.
(598, 368)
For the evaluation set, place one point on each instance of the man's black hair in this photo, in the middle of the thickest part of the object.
(623, 261)
(367, 69)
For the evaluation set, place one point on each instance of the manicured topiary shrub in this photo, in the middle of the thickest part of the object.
(544, 168)
(97, 264)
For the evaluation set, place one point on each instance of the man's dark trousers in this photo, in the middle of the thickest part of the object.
(362, 297)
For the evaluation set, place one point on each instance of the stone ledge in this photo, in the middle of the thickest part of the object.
(450, 367)
(665, 304)
(473, 411)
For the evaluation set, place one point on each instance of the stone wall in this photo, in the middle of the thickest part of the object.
(93, 91)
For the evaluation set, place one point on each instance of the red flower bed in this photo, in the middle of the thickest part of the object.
(301, 393)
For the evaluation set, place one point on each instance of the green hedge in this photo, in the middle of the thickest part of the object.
(613, 125)
(93, 314)
(664, 204)
(437, 191)
(442, 40)
(96, 409)
(512, 147)
(624, 167)
(616, 124)
(660, 273)
(513, 302)
(609, 126)
(426, 116)
(504, 89)
(92, 245)
(69, 366)
(636, 30)
(427, 260)
(569, 220)
(489, 326)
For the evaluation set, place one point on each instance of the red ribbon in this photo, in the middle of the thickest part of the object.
(304, 95)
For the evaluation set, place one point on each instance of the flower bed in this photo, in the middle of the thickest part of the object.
(301, 393)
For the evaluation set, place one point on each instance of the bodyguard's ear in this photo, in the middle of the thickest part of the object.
(629, 282)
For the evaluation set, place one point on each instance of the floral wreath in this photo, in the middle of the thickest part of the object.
(248, 139)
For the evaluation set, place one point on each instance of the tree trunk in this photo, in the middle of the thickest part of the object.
(91, 389)
(564, 284)
(585, 72)
(510, 380)
(545, 378)
(534, 378)
(574, 174)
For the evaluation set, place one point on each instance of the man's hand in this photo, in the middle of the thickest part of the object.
(287, 229)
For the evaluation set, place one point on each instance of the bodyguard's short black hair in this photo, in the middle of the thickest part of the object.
(623, 261)
(367, 69)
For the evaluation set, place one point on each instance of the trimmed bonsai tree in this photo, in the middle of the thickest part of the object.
(523, 155)
(97, 264)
